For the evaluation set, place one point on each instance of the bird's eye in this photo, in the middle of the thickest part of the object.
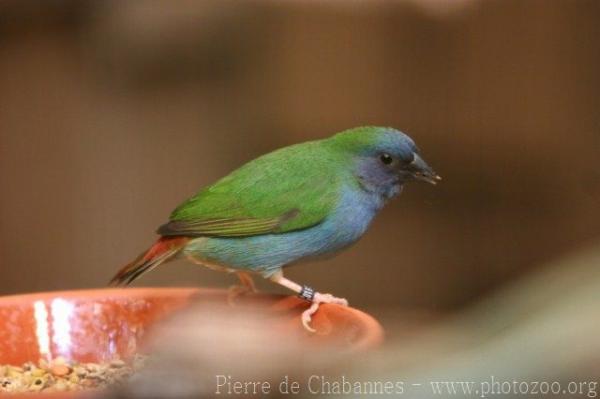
(386, 158)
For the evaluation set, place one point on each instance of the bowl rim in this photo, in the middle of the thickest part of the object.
(372, 337)
(94, 293)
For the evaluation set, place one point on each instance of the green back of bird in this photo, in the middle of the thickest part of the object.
(291, 188)
(288, 189)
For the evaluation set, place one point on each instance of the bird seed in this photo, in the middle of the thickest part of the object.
(60, 375)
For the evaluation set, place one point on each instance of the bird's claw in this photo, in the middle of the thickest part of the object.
(235, 291)
(246, 287)
(328, 298)
(317, 301)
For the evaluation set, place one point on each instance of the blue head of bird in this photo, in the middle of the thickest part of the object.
(384, 159)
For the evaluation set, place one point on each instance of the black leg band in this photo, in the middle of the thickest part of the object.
(307, 293)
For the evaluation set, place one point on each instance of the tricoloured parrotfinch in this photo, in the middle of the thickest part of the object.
(295, 203)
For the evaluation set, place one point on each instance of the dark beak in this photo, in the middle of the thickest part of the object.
(421, 171)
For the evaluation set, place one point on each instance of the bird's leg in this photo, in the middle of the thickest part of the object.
(246, 286)
(247, 281)
(307, 293)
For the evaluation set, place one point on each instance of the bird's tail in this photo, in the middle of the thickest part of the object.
(160, 252)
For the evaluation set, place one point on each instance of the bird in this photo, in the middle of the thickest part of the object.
(299, 202)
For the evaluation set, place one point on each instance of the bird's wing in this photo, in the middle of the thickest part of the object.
(290, 189)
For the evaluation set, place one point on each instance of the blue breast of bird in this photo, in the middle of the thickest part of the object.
(266, 254)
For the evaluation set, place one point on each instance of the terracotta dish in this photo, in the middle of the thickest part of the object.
(100, 325)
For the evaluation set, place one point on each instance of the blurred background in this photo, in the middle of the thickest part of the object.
(112, 113)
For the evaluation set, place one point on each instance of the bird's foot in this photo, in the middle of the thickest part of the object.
(247, 287)
(308, 294)
(317, 300)
(235, 291)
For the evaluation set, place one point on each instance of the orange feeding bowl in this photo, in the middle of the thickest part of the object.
(104, 324)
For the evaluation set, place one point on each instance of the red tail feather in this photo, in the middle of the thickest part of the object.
(162, 251)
